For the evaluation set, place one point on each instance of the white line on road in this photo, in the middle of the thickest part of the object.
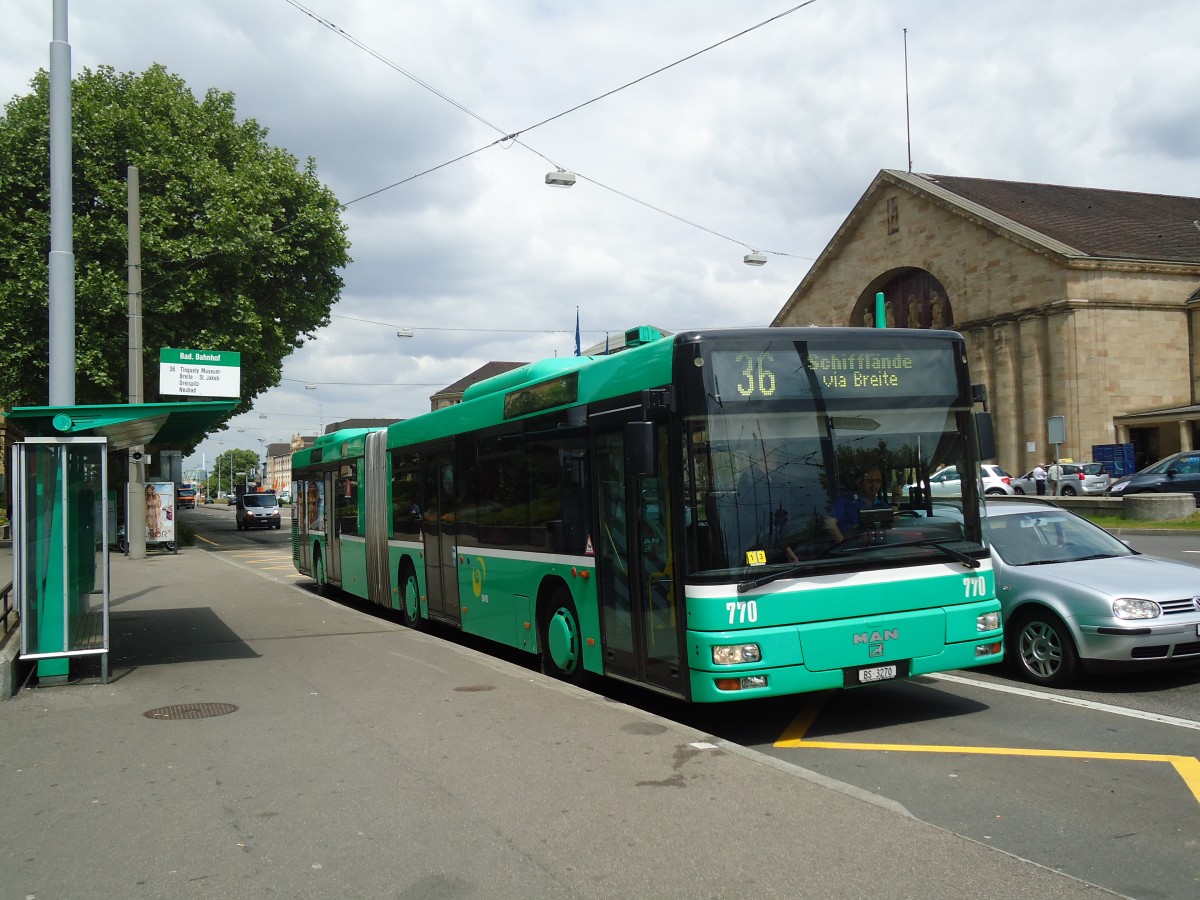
(1072, 701)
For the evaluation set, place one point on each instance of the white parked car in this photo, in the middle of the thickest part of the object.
(948, 483)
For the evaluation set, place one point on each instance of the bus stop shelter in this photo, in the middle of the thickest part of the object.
(61, 522)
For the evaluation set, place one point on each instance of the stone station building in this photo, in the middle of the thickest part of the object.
(1074, 302)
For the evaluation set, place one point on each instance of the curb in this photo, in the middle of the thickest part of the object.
(10, 648)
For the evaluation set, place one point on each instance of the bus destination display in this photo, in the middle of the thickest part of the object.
(790, 372)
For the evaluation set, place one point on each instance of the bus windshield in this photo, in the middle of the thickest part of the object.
(784, 473)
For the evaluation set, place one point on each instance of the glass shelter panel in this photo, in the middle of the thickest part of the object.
(60, 551)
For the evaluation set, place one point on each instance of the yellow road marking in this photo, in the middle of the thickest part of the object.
(795, 732)
(1188, 767)
(207, 541)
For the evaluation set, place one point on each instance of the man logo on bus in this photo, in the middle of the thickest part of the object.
(876, 650)
(877, 637)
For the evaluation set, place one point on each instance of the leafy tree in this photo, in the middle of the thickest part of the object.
(241, 246)
(224, 475)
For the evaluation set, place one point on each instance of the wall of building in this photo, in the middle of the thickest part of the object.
(1047, 336)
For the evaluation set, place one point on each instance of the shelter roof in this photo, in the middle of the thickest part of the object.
(125, 425)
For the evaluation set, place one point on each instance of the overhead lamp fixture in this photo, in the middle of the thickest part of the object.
(310, 387)
(754, 258)
(404, 332)
(560, 178)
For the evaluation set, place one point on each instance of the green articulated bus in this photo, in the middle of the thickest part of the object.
(717, 515)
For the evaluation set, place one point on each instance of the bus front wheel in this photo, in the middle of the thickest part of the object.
(562, 640)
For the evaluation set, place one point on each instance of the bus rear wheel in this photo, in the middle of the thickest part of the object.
(562, 640)
(319, 574)
(410, 599)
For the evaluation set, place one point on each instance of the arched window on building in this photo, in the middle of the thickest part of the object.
(912, 299)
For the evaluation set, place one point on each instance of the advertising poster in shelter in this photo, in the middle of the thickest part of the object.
(160, 512)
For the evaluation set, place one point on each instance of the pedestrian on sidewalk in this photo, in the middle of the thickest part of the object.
(1039, 479)
(1055, 476)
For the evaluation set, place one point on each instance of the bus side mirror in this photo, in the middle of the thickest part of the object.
(641, 457)
(987, 437)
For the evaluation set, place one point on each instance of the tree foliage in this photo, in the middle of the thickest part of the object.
(223, 477)
(241, 245)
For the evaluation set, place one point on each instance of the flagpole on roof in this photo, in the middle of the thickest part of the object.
(577, 353)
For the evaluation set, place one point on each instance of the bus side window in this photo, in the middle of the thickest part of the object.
(347, 502)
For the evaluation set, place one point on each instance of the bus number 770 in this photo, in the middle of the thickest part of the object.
(742, 611)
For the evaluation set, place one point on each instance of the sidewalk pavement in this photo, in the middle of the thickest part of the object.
(363, 759)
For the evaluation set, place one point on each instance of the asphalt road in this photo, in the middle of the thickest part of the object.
(1101, 782)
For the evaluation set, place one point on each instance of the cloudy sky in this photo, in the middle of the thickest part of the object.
(764, 143)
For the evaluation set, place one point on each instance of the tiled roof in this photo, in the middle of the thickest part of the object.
(357, 423)
(487, 370)
(1101, 223)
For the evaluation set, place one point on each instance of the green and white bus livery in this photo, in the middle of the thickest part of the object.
(716, 515)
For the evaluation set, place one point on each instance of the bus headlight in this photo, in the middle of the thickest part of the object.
(732, 654)
(987, 622)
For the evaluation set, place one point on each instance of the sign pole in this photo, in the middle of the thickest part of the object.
(135, 497)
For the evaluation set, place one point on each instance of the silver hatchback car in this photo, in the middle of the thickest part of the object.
(1075, 598)
(1077, 479)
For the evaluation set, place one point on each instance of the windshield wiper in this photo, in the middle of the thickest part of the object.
(1065, 559)
(957, 555)
(744, 586)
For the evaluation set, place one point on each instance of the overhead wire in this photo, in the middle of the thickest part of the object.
(507, 137)
(453, 328)
(514, 136)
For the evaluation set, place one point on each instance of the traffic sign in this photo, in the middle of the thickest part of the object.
(1056, 430)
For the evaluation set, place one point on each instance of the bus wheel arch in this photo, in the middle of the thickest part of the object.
(410, 595)
(560, 635)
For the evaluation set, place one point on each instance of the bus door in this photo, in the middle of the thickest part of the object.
(638, 584)
(333, 543)
(438, 525)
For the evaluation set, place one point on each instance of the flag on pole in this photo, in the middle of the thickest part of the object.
(606, 343)
(577, 353)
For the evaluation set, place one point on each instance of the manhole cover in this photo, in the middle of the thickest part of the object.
(190, 711)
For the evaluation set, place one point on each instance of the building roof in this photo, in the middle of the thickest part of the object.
(357, 423)
(487, 370)
(1078, 225)
(1095, 222)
